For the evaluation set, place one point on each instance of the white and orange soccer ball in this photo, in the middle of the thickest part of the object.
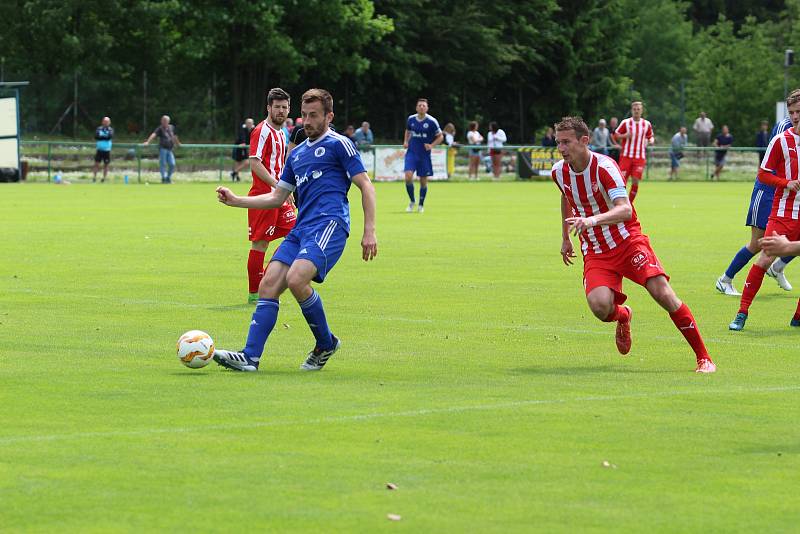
(195, 349)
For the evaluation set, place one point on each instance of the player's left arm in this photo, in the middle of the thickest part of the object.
(274, 199)
(369, 243)
(436, 140)
(621, 212)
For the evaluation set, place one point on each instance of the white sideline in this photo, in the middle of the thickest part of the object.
(9, 440)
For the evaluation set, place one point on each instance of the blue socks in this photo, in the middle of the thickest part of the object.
(422, 192)
(315, 317)
(410, 191)
(741, 259)
(264, 319)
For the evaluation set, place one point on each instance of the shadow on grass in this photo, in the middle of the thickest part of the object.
(231, 307)
(590, 370)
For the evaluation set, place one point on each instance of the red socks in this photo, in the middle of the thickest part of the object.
(797, 312)
(684, 321)
(634, 190)
(754, 278)
(620, 313)
(255, 269)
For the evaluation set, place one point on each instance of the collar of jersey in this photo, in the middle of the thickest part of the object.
(572, 172)
(318, 139)
(423, 118)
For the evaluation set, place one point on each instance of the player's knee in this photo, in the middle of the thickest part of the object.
(601, 307)
(297, 282)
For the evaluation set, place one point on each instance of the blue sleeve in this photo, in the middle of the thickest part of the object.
(408, 123)
(350, 158)
(287, 180)
(437, 129)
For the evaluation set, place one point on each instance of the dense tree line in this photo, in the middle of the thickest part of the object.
(523, 64)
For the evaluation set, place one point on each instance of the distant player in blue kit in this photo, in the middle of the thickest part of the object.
(757, 215)
(422, 134)
(319, 171)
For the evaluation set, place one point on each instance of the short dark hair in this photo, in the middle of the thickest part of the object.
(493, 126)
(575, 124)
(319, 95)
(793, 98)
(473, 125)
(276, 93)
(420, 99)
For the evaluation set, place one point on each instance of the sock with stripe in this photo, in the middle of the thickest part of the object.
(423, 191)
(264, 319)
(741, 259)
(315, 317)
(684, 321)
(754, 279)
(410, 191)
(255, 269)
(619, 313)
(780, 264)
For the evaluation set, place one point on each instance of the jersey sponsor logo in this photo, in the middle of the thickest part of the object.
(595, 186)
(320, 151)
(425, 125)
(315, 175)
(638, 260)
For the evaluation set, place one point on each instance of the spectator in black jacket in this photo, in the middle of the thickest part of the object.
(241, 153)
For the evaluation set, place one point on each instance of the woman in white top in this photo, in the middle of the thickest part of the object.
(474, 137)
(495, 139)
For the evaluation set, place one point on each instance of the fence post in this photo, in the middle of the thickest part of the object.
(49, 159)
(221, 163)
(705, 155)
(374, 162)
(138, 163)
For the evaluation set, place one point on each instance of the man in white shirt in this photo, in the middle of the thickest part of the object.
(495, 139)
(599, 142)
(702, 129)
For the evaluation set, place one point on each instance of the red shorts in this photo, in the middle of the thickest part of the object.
(631, 167)
(634, 260)
(783, 226)
(269, 225)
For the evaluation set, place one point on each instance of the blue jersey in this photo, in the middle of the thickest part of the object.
(103, 136)
(319, 172)
(779, 128)
(423, 132)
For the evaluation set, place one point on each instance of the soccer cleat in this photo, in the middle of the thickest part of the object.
(421, 209)
(780, 278)
(726, 288)
(252, 298)
(705, 366)
(624, 334)
(738, 322)
(410, 208)
(317, 358)
(236, 361)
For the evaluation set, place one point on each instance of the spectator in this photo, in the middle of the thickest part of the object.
(724, 141)
(702, 129)
(679, 141)
(449, 132)
(167, 140)
(549, 139)
(613, 146)
(363, 136)
(474, 138)
(350, 132)
(288, 126)
(495, 139)
(762, 140)
(103, 135)
(241, 153)
(600, 135)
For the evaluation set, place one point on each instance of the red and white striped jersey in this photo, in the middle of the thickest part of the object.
(636, 145)
(592, 192)
(268, 145)
(779, 166)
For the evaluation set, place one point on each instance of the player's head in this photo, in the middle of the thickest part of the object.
(422, 106)
(165, 120)
(793, 106)
(637, 108)
(317, 110)
(277, 106)
(572, 137)
(473, 126)
(106, 121)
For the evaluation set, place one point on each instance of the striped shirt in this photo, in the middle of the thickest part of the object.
(778, 167)
(268, 145)
(592, 192)
(641, 132)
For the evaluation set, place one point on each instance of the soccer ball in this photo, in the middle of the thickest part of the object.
(195, 349)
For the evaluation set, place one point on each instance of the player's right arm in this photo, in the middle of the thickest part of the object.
(406, 137)
(261, 171)
(773, 159)
(272, 200)
(779, 245)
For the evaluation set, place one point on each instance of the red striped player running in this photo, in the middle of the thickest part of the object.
(636, 133)
(779, 169)
(267, 155)
(595, 206)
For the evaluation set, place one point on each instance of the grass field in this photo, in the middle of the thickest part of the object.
(472, 374)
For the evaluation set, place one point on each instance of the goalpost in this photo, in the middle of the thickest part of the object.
(10, 168)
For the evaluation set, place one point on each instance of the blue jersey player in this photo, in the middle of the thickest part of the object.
(757, 215)
(422, 134)
(319, 171)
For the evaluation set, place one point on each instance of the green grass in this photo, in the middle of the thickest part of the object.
(472, 374)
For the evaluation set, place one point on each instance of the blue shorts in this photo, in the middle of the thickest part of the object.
(760, 206)
(419, 163)
(676, 161)
(322, 244)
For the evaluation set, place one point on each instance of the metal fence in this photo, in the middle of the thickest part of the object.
(213, 162)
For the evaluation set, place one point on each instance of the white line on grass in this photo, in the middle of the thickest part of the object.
(10, 440)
